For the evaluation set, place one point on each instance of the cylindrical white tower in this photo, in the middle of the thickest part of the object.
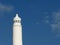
(17, 31)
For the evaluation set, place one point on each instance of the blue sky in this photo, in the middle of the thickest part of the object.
(40, 21)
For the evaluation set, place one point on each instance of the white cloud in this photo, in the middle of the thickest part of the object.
(6, 8)
(37, 23)
(46, 19)
(56, 23)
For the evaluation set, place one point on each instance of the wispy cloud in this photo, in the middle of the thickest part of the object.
(56, 23)
(6, 7)
(53, 21)
(46, 19)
